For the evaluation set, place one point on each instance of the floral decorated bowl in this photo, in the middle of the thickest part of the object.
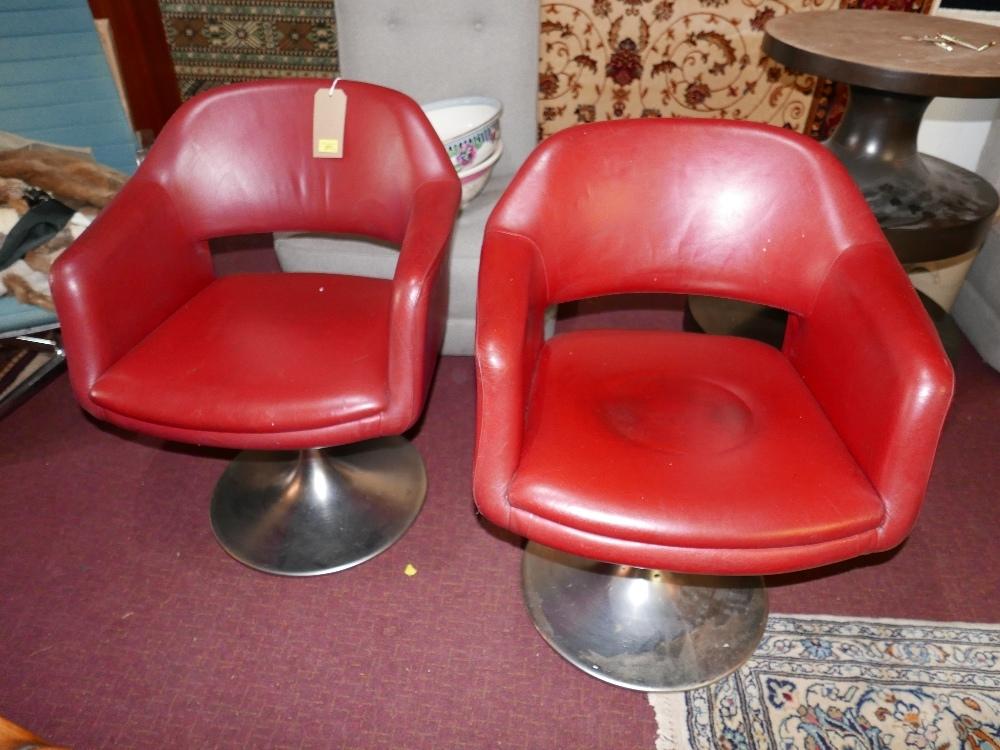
(474, 178)
(468, 126)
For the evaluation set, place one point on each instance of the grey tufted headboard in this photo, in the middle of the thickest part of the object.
(438, 49)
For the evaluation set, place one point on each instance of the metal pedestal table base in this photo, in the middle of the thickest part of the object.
(318, 511)
(732, 318)
(647, 630)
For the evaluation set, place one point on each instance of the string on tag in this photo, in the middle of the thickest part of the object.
(334, 86)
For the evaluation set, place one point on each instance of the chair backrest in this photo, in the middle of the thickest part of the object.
(722, 208)
(447, 48)
(239, 160)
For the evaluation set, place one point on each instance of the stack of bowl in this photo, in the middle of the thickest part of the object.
(469, 127)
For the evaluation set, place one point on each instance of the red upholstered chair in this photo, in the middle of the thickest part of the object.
(624, 454)
(273, 362)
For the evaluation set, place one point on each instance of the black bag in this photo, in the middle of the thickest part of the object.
(42, 222)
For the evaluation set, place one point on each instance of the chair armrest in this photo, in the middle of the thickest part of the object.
(419, 300)
(510, 321)
(871, 357)
(131, 269)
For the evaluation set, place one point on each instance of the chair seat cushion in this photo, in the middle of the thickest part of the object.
(687, 440)
(260, 353)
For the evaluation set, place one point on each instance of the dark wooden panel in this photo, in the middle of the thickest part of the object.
(144, 58)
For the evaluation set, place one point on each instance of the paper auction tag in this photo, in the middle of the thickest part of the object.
(329, 114)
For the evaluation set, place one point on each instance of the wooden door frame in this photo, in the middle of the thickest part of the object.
(144, 60)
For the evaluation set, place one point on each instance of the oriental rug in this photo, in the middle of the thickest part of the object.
(829, 682)
(615, 59)
(213, 43)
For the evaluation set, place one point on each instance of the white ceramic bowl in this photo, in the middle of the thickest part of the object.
(468, 126)
(474, 178)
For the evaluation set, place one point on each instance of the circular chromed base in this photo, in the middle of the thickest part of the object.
(647, 630)
(318, 511)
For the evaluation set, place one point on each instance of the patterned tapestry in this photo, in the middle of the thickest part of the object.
(821, 682)
(212, 43)
(610, 59)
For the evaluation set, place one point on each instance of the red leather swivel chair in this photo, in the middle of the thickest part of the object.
(625, 454)
(273, 362)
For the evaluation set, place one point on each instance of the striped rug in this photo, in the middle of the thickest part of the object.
(18, 364)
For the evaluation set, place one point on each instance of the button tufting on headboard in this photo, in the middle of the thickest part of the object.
(392, 19)
(431, 50)
(439, 49)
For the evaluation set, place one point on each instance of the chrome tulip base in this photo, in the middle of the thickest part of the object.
(320, 510)
(647, 630)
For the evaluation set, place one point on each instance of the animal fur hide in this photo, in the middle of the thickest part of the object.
(73, 178)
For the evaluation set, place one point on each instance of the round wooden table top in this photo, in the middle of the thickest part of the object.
(869, 48)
